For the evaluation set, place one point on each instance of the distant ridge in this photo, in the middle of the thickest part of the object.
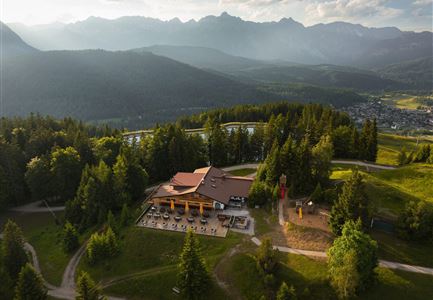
(11, 44)
(337, 43)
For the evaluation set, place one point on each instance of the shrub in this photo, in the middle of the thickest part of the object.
(70, 238)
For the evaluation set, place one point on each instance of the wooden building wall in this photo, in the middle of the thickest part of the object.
(194, 200)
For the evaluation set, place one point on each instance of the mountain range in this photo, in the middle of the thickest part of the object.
(335, 43)
(147, 85)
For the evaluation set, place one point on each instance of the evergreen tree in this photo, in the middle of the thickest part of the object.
(402, 158)
(256, 143)
(259, 193)
(273, 165)
(111, 221)
(66, 169)
(86, 288)
(193, 276)
(352, 260)
(286, 293)
(266, 257)
(124, 216)
(288, 158)
(30, 285)
(364, 140)
(70, 238)
(372, 142)
(317, 196)
(304, 175)
(13, 254)
(354, 143)
(352, 204)
(322, 154)
(217, 141)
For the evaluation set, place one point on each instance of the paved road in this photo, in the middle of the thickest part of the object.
(382, 263)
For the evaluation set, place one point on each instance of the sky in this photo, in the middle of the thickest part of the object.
(404, 14)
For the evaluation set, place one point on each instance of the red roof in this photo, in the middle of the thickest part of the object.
(186, 179)
(210, 181)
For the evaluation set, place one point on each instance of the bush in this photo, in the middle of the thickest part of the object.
(70, 238)
(416, 222)
(102, 246)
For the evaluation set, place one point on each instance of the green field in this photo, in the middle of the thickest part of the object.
(143, 249)
(309, 278)
(404, 101)
(243, 172)
(156, 286)
(390, 146)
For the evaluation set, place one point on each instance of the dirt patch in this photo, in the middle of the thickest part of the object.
(318, 220)
(298, 237)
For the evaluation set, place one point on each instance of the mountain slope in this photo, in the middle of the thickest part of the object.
(336, 43)
(11, 44)
(417, 73)
(323, 75)
(203, 57)
(99, 85)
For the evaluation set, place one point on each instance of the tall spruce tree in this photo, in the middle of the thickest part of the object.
(273, 165)
(193, 276)
(13, 254)
(30, 285)
(352, 204)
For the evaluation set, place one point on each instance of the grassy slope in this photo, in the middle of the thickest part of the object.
(390, 145)
(309, 278)
(44, 235)
(390, 190)
(143, 249)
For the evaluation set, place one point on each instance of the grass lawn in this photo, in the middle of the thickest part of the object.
(158, 286)
(44, 235)
(143, 248)
(264, 221)
(243, 172)
(394, 249)
(309, 278)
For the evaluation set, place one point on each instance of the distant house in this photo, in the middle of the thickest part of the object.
(209, 187)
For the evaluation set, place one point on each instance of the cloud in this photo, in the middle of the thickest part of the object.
(350, 10)
(422, 2)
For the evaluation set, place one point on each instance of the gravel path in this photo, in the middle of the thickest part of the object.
(382, 263)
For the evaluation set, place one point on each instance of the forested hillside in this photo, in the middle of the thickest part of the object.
(100, 85)
(417, 73)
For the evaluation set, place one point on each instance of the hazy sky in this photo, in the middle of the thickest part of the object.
(405, 14)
